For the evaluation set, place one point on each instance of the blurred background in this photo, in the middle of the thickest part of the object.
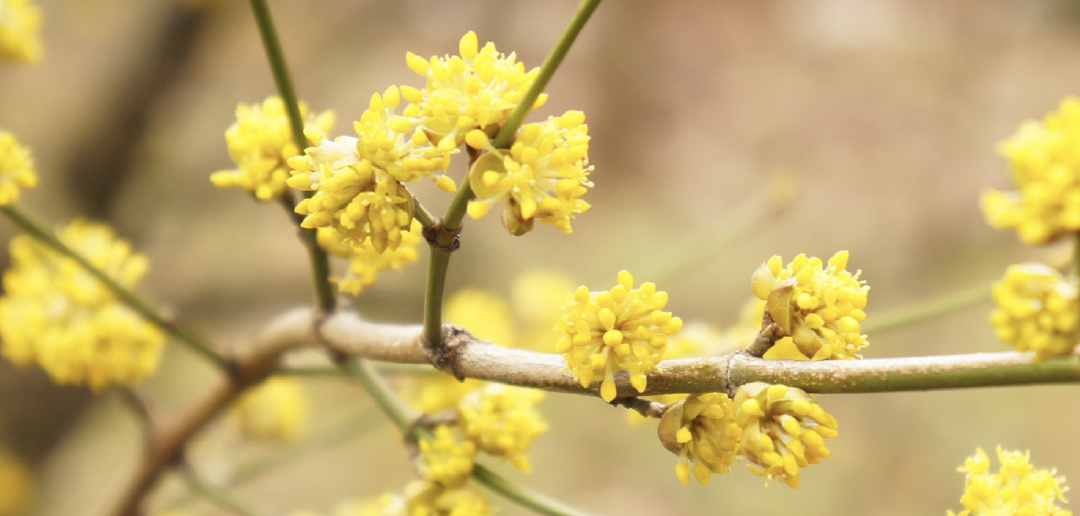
(885, 113)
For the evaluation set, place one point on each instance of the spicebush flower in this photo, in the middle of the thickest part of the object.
(16, 168)
(274, 410)
(1017, 488)
(610, 331)
(55, 314)
(701, 430)
(20, 27)
(819, 307)
(260, 144)
(503, 421)
(1037, 310)
(541, 178)
(782, 430)
(365, 262)
(1046, 172)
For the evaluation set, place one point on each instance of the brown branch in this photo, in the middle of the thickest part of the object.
(292, 329)
(347, 334)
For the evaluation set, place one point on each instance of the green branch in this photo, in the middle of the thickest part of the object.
(320, 262)
(192, 341)
(924, 310)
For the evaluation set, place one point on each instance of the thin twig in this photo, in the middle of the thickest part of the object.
(925, 310)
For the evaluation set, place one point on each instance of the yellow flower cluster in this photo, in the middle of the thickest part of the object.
(777, 428)
(20, 27)
(476, 90)
(1046, 172)
(365, 262)
(57, 315)
(610, 331)
(445, 460)
(818, 307)
(541, 178)
(701, 430)
(782, 430)
(274, 410)
(16, 167)
(1037, 310)
(260, 144)
(420, 498)
(503, 421)
(1017, 488)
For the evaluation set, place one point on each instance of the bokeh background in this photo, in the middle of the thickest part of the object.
(886, 112)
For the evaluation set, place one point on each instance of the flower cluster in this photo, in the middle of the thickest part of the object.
(610, 331)
(365, 262)
(701, 430)
(818, 307)
(541, 178)
(275, 410)
(420, 498)
(445, 460)
(503, 421)
(16, 168)
(1037, 310)
(260, 144)
(56, 314)
(777, 428)
(20, 25)
(1046, 171)
(1017, 487)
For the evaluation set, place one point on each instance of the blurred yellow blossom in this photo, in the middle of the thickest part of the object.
(782, 430)
(276, 409)
(16, 167)
(426, 498)
(503, 421)
(444, 459)
(1046, 172)
(429, 394)
(486, 315)
(537, 297)
(364, 261)
(818, 306)
(260, 144)
(1037, 310)
(609, 331)
(1017, 488)
(55, 314)
(20, 27)
(16, 485)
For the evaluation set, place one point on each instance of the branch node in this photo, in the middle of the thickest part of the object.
(769, 334)
(442, 239)
(444, 357)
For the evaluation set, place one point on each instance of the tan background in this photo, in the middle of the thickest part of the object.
(889, 110)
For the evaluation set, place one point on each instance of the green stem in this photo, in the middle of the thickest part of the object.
(215, 494)
(438, 264)
(943, 305)
(524, 497)
(424, 216)
(403, 417)
(456, 211)
(192, 341)
(320, 262)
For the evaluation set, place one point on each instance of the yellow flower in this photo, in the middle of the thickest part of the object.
(819, 307)
(57, 315)
(445, 460)
(486, 315)
(436, 393)
(398, 145)
(426, 498)
(276, 409)
(606, 332)
(476, 90)
(701, 430)
(16, 167)
(260, 143)
(365, 205)
(1016, 489)
(20, 27)
(1046, 172)
(503, 421)
(16, 485)
(782, 430)
(541, 178)
(1037, 310)
(364, 261)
